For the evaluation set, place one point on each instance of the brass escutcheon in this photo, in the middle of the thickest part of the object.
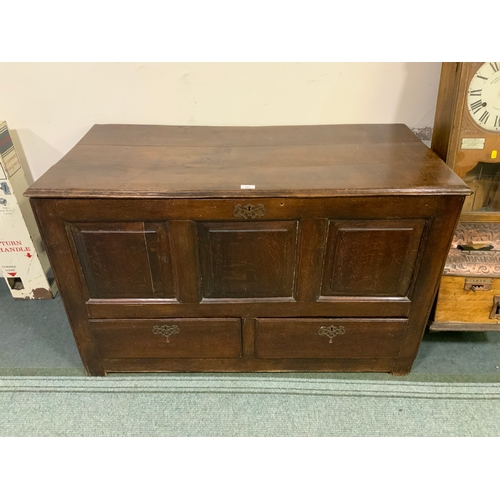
(166, 330)
(249, 211)
(331, 331)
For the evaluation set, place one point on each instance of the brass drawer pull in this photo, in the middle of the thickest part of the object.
(495, 311)
(331, 331)
(249, 211)
(478, 284)
(166, 330)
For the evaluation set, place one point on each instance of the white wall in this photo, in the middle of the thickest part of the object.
(50, 106)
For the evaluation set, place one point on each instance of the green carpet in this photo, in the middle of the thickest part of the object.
(228, 405)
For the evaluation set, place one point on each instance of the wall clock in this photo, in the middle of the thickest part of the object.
(466, 132)
(466, 136)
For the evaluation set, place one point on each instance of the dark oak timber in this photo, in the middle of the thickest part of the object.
(166, 262)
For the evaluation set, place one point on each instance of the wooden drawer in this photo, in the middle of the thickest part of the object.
(467, 304)
(168, 338)
(329, 338)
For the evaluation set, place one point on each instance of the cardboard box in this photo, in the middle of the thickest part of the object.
(23, 260)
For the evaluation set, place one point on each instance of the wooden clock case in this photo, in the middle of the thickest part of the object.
(469, 292)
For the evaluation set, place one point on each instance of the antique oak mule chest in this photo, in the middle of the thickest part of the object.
(241, 249)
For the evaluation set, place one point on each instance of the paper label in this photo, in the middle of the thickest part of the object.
(247, 186)
(473, 143)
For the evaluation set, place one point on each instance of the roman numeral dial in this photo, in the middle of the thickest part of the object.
(483, 97)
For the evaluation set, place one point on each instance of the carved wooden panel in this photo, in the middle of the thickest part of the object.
(124, 259)
(248, 259)
(371, 257)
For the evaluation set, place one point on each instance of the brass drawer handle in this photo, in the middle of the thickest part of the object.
(331, 331)
(166, 330)
(478, 284)
(495, 311)
(249, 211)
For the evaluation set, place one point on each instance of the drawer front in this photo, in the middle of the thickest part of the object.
(460, 302)
(329, 338)
(172, 338)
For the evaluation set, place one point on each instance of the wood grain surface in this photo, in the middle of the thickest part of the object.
(149, 232)
(454, 304)
(148, 161)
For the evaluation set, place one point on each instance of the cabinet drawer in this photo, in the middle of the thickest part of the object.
(168, 338)
(329, 338)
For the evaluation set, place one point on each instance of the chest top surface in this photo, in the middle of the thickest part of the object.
(154, 161)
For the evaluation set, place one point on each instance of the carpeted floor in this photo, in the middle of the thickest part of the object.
(208, 405)
(453, 390)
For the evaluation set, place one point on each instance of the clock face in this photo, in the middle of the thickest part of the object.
(483, 97)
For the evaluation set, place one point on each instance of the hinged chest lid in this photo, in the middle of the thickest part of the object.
(151, 161)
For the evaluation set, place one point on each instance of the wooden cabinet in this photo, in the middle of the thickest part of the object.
(166, 261)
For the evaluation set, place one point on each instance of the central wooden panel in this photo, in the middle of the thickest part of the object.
(248, 259)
